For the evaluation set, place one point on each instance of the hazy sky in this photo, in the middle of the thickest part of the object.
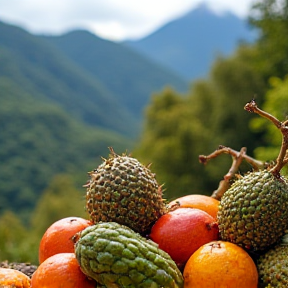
(111, 19)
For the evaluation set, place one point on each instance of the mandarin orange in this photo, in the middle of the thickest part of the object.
(13, 278)
(58, 237)
(202, 202)
(183, 231)
(220, 264)
(61, 271)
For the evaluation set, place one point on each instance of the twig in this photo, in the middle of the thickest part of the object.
(224, 184)
(256, 164)
(282, 158)
(238, 157)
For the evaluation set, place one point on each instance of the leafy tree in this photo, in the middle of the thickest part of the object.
(172, 141)
(181, 127)
(236, 82)
(276, 103)
(271, 18)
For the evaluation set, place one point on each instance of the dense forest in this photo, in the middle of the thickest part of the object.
(178, 127)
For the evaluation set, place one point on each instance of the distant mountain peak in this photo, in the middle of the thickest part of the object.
(204, 10)
(190, 44)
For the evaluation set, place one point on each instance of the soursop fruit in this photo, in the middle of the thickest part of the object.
(116, 256)
(253, 213)
(273, 267)
(123, 190)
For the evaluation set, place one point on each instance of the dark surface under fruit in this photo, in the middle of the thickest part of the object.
(25, 268)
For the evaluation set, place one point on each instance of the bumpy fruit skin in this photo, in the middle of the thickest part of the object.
(116, 256)
(26, 268)
(273, 267)
(11, 278)
(123, 190)
(253, 213)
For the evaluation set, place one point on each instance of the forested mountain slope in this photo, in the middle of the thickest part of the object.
(129, 75)
(43, 71)
(60, 111)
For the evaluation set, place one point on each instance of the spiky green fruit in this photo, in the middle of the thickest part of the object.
(253, 213)
(273, 267)
(116, 256)
(123, 190)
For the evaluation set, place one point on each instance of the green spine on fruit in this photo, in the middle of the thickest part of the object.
(123, 190)
(273, 267)
(116, 256)
(253, 212)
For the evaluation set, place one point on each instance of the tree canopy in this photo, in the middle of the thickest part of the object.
(271, 18)
(179, 127)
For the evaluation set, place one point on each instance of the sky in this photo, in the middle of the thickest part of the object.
(114, 20)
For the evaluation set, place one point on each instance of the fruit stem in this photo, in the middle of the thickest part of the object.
(282, 158)
(224, 184)
(256, 164)
(238, 157)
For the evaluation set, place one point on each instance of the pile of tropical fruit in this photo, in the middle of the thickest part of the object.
(134, 238)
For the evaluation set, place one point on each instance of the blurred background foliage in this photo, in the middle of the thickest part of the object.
(177, 128)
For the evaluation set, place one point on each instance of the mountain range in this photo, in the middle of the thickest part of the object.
(65, 99)
(63, 103)
(125, 73)
(191, 43)
(97, 81)
(92, 79)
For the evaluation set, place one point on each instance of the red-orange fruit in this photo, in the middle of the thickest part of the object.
(202, 202)
(182, 231)
(220, 264)
(10, 278)
(58, 236)
(61, 271)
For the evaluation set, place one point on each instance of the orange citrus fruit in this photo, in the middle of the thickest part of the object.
(220, 264)
(58, 237)
(61, 271)
(13, 278)
(183, 231)
(202, 202)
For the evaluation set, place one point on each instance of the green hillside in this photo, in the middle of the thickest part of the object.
(63, 103)
(44, 71)
(129, 75)
(39, 140)
(45, 101)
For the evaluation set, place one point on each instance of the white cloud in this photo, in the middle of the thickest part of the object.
(112, 19)
(240, 8)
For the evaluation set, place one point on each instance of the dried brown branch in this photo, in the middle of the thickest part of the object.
(224, 184)
(256, 164)
(238, 157)
(282, 158)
